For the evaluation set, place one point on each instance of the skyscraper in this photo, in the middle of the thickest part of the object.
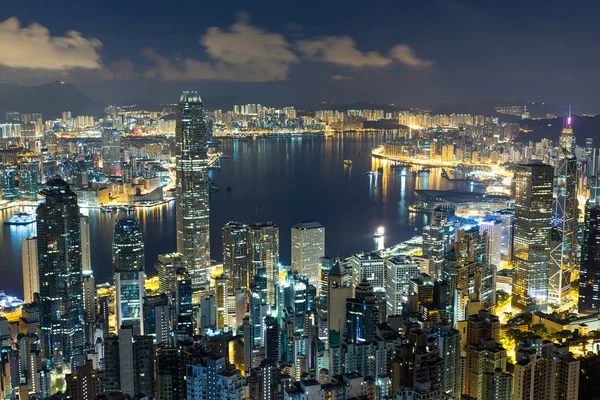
(86, 256)
(31, 274)
(533, 212)
(263, 242)
(589, 278)
(399, 271)
(192, 195)
(128, 267)
(564, 220)
(59, 261)
(111, 152)
(308, 247)
(236, 261)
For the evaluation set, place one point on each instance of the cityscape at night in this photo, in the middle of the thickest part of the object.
(267, 202)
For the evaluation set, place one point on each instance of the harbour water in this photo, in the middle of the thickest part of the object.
(277, 179)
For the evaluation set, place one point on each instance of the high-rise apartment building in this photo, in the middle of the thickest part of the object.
(532, 235)
(399, 272)
(192, 194)
(59, 261)
(370, 267)
(128, 268)
(111, 152)
(308, 247)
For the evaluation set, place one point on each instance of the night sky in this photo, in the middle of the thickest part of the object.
(304, 52)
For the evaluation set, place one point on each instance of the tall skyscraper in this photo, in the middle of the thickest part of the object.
(308, 247)
(31, 274)
(589, 278)
(399, 271)
(59, 260)
(192, 195)
(111, 152)
(128, 267)
(236, 260)
(563, 259)
(86, 256)
(532, 235)
(263, 242)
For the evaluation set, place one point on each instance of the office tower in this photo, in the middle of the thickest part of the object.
(31, 275)
(370, 267)
(59, 261)
(438, 238)
(545, 370)
(236, 261)
(263, 242)
(589, 279)
(183, 303)
(532, 235)
(361, 314)
(128, 268)
(86, 255)
(563, 255)
(111, 152)
(90, 305)
(157, 318)
(171, 373)
(167, 267)
(339, 289)
(399, 271)
(192, 195)
(271, 339)
(506, 217)
(129, 363)
(221, 291)
(308, 247)
(492, 228)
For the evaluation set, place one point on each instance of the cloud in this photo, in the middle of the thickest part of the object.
(342, 78)
(33, 47)
(406, 55)
(340, 50)
(243, 53)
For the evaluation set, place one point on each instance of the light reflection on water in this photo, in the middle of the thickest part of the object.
(280, 180)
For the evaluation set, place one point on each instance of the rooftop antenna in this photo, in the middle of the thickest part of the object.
(569, 117)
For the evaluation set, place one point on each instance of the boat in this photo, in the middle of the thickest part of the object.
(20, 219)
(348, 163)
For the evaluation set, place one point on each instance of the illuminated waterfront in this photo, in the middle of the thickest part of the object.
(279, 179)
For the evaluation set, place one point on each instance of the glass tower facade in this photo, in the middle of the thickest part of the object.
(59, 260)
(192, 195)
(532, 235)
(128, 267)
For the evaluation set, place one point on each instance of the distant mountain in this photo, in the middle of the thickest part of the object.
(583, 127)
(50, 99)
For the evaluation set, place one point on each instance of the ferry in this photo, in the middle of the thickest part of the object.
(20, 219)
(348, 163)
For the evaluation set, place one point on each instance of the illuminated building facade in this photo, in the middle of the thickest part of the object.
(236, 261)
(263, 239)
(192, 194)
(59, 262)
(308, 247)
(532, 234)
(128, 267)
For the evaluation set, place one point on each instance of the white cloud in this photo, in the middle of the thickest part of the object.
(342, 78)
(242, 52)
(340, 50)
(33, 47)
(406, 55)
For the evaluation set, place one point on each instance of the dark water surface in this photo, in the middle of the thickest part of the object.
(281, 180)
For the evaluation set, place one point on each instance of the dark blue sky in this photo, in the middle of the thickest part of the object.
(402, 52)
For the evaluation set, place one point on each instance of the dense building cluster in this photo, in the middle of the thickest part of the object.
(443, 322)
